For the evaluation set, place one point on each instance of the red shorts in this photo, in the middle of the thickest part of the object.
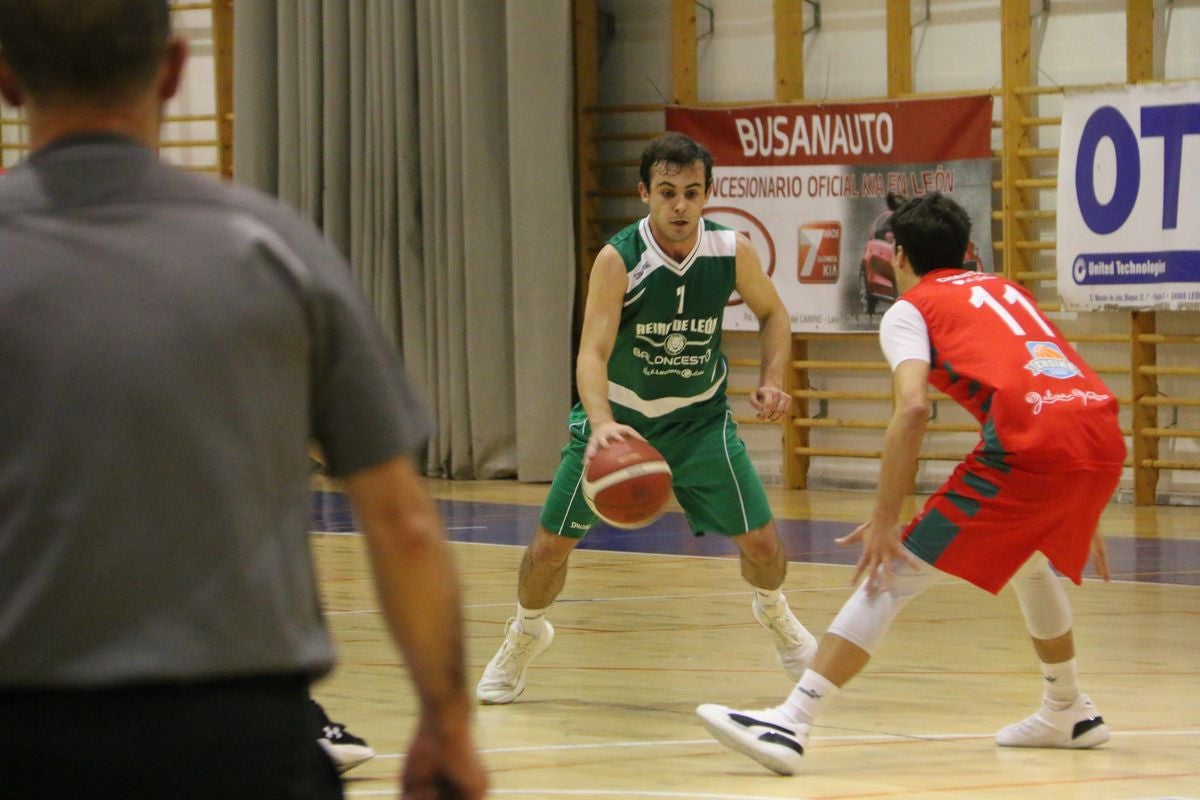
(987, 520)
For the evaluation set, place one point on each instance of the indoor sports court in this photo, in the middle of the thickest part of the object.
(471, 158)
(654, 622)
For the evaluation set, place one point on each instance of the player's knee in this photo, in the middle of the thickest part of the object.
(865, 618)
(1037, 567)
(549, 549)
(1043, 600)
(761, 545)
(910, 578)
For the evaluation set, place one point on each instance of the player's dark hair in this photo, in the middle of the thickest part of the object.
(675, 151)
(96, 50)
(934, 232)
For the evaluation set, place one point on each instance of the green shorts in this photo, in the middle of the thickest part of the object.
(713, 478)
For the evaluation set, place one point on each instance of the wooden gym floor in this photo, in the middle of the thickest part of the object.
(654, 622)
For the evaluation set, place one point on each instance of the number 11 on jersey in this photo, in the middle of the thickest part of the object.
(980, 298)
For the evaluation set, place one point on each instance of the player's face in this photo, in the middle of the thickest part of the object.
(676, 197)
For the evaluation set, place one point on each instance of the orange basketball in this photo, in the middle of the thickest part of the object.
(628, 484)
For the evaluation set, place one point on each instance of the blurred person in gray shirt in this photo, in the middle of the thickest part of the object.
(169, 347)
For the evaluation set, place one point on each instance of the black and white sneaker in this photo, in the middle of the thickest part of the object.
(762, 735)
(1077, 726)
(343, 748)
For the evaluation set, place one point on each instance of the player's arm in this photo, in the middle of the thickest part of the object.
(774, 332)
(880, 536)
(419, 594)
(601, 318)
(902, 440)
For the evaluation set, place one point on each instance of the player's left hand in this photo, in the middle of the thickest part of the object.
(1100, 556)
(771, 402)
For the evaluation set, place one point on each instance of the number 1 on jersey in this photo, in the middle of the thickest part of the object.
(679, 291)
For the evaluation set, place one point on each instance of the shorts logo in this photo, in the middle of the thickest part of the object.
(1048, 359)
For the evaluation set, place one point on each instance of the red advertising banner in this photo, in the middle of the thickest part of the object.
(808, 185)
(889, 132)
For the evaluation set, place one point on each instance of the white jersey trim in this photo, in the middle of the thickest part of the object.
(708, 243)
(661, 406)
(903, 334)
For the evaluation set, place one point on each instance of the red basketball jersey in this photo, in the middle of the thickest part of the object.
(1041, 407)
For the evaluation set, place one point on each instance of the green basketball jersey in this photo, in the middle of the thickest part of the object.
(666, 363)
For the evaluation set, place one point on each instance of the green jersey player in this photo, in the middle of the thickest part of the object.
(650, 366)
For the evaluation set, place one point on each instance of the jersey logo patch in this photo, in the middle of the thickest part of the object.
(1047, 359)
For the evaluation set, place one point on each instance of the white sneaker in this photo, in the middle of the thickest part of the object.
(1078, 725)
(762, 735)
(504, 677)
(796, 646)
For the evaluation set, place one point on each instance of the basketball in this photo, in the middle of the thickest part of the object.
(627, 484)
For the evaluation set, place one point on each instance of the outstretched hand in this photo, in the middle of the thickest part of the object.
(882, 551)
(770, 402)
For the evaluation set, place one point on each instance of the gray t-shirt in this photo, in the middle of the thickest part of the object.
(169, 345)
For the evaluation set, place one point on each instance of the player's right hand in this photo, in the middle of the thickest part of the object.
(607, 433)
(882, 553)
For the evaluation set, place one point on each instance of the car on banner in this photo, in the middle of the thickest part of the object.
(876, 279)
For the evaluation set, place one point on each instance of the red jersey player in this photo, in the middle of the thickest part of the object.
(1028, 496)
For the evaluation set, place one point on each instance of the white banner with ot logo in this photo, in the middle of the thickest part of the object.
(1129, 198)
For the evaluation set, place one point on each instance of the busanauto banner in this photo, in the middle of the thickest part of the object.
(809, 185)
(1128, 224)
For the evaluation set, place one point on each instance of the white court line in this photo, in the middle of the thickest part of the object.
(631, 598)
(951, 580)
(627, 793)
(728, 556)
(619, 793)
(868, 737)
(790, 591)
(452, 528)
(632, 793)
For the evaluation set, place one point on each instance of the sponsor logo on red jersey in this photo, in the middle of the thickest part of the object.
(1047, 359)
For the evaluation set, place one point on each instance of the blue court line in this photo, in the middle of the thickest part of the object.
(1173, 561)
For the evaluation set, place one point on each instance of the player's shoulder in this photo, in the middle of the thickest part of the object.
(939, 284)
(628, 243)
(722, 240)
(956, 278)
(901, 314)
(631, 232)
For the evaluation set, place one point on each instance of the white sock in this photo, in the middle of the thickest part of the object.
(1062, 684)
(768, 598)
(813, 691)
(530, 620)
